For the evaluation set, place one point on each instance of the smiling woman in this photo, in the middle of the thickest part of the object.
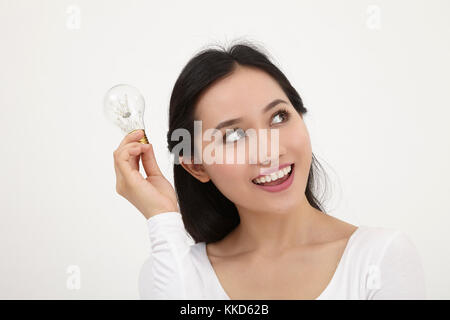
(259, 230)
(224, 88)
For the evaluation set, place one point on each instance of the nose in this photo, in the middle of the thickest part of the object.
(269, 163)
(272, 160)
(267, 149)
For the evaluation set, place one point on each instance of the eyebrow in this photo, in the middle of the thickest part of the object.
(237, 120)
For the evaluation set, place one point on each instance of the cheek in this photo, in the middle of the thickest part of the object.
(229, 179)
(298, 142)
(299, 150)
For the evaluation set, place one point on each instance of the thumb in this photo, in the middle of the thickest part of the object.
(149, 162)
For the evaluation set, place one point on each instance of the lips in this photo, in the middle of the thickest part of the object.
(276, 182)
(281, 186)
(269, 172)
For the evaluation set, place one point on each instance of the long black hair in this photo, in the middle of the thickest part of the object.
(207, 214)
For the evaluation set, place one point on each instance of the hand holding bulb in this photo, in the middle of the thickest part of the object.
(151, 195)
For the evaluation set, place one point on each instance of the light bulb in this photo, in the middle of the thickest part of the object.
(124, 106)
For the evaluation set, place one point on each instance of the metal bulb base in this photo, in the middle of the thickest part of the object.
(144, 139)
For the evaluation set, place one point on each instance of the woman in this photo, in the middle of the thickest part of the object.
(244, 241)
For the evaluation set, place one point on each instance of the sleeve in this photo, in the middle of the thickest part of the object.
(161, 276)
(399, 275)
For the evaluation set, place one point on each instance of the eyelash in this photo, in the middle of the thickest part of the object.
(282, 112)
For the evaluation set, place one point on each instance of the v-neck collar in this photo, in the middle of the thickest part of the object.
(213, 275)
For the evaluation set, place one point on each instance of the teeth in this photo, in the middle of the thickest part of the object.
(274, 176)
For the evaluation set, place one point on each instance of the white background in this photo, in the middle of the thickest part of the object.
(374, 76)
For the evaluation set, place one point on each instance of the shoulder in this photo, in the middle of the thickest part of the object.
(388, 262)
(376, 241)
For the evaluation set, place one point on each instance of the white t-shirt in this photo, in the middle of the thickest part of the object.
(377, 263)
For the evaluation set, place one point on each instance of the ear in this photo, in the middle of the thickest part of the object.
(195, 169)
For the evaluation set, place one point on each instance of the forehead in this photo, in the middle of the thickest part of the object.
(244, 92)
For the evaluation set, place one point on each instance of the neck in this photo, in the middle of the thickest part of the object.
(273, 232)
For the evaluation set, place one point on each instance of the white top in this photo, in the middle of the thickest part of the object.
(377, 263)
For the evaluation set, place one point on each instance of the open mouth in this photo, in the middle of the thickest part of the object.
(261, 182)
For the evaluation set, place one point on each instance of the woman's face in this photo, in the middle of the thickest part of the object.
(244, 94)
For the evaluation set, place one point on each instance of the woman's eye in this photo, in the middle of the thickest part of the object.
(233, 133)
(283, 113)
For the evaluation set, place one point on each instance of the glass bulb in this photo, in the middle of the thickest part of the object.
(124, 106)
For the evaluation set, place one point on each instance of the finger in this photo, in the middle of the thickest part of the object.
(131, 137)
(149, 161)
(123, 159)
(130, 145)
(134, 157)
(136, 150)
